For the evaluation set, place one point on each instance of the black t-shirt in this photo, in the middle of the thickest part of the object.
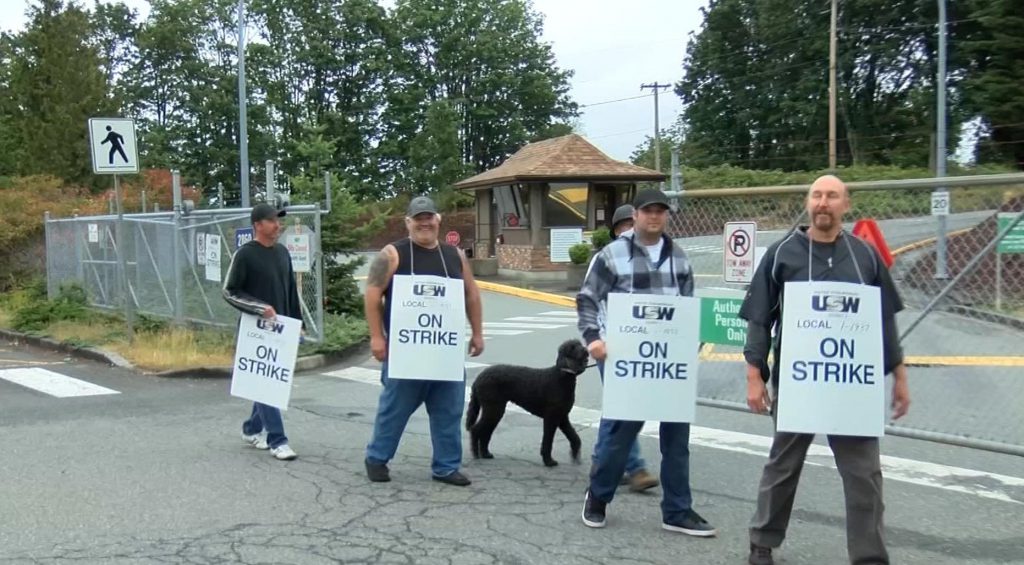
(261, 276)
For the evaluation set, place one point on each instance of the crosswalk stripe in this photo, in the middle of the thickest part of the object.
(475, 365)
(488, 331)
(54, 384)
(523, 325)
(560, 313)
(535, 319)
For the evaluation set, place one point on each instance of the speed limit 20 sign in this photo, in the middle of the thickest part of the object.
(739, 252)
(940, 203)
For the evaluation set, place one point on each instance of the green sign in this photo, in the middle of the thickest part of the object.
(1014, 241)
(720, 322)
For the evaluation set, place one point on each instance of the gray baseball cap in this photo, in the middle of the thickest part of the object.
(420, 205)
(622, 213)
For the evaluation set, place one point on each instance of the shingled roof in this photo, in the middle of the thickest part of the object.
(570, 157)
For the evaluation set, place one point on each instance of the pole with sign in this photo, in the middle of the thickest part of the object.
(740, 249)
(940, 209)
(113, 151)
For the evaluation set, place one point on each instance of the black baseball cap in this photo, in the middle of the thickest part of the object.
(622, 213)
(264, 211)
(420, 205)
(650, 197)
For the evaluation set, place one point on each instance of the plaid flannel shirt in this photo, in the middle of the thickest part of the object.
(624, 266)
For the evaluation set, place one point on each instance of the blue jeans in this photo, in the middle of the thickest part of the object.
(268, 418)
(634, 463)
(445, 401)
(676, 500)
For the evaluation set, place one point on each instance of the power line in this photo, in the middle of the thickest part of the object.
(592, 104)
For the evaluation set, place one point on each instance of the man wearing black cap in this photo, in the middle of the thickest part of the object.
(261, 282)
(419, 254)
(637, 476)
(645, 261)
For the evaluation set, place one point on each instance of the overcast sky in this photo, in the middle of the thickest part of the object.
(614, 46)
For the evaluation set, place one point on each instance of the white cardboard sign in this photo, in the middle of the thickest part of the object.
(426, 339)
(651, 369)
(265, 359)
(831, 376)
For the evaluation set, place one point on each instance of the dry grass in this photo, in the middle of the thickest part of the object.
(92, 334)
(175, 348)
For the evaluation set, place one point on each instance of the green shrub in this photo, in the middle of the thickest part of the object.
(579, 254)
(37, 312)
(340, 333)
(601, 237)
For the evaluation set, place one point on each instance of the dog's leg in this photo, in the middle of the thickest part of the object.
(574, 439)
(550, 425)
(492, 414)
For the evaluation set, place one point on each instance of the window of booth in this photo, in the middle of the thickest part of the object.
(565, 205)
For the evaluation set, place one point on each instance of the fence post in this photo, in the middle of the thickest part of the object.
(176, 263)
(317, 224)
(46, 237)
(79, 267)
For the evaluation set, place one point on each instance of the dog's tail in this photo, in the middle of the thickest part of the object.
(473, 411)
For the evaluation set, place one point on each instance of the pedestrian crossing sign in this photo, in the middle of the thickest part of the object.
(112, 144)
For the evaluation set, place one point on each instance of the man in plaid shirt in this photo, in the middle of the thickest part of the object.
(644, 262)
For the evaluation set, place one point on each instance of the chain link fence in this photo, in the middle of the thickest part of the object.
(961, 277)
(175, 263)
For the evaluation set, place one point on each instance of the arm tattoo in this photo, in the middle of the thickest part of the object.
(378, 276)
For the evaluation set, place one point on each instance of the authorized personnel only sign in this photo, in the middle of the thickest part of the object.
(739, 252)
(831, 376)
(265, 359)
(426, 339)
(651, 370)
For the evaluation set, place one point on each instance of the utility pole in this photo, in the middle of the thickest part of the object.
(243, 130)
(941, 271)
(657, 124)
(832, 87)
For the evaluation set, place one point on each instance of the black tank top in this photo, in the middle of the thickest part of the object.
(426, 262)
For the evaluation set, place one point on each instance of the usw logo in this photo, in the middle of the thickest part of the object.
(832, 303)
(648, 312)
(270, 326)
(428, 289)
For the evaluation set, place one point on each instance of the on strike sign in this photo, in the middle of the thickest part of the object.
(265, 359)
(739, 252)
(831, 376)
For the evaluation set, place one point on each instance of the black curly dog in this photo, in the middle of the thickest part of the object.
(547, 393)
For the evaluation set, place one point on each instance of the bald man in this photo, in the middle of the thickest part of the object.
(822, 251)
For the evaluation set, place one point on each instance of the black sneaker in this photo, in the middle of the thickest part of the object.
(760, 555)
(378, 472)
(456, 479)
(593, 511)
(691, 525)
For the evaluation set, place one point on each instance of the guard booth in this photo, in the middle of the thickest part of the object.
(543, 199)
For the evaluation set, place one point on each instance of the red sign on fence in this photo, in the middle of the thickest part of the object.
(452, 238)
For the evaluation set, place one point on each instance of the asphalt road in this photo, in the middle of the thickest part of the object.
(156, 473)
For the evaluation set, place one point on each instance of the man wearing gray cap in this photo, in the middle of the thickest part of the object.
(261, 282)
(637, 476)
(412, 278)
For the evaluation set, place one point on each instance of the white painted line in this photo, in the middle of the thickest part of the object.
(488, 331)
(54, 384)
(560, 313)
(992, 486)
(475, 365)
(534, 319)
(523, 325)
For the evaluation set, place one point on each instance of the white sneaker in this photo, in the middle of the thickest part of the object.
(283, 452)
(259, 441)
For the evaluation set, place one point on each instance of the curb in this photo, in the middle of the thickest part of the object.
(556, 299)
(306, 363)
(89, 353)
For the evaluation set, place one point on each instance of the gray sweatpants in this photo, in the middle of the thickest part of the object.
(857, 459)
